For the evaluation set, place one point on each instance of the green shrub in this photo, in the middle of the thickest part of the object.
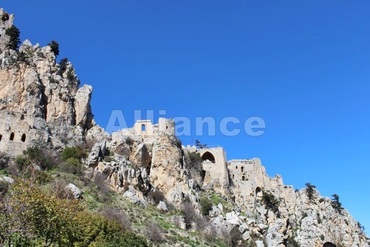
(34, 156)
(336, 204)
(129, 141)
(310, 191)
(35, 218)
(271, 202)
(205, 205)
(73, 152)
(291, 242)
(14, 33)
(54, 47)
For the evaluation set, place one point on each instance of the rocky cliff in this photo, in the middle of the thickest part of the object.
(43, 104)
(40, 99)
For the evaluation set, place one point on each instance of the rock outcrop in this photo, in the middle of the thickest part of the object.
(40, 100)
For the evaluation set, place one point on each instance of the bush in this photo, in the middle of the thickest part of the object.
(63, 65)
(4, 161)
(14, 33)
(156, 196)
(73, 152)
(291, 242)
(190, 215)
(117, 215)
(271, 202)
(336, 204)
(194, 159)
(205, 205)
(154, 232)
(54, 47)
(33, 218)
(129, 141)
(34, 156)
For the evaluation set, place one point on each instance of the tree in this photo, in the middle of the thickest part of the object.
(336, 204)
(54, 47)
(14, 33)
(198, 144)
(271, 202)
(310, 191)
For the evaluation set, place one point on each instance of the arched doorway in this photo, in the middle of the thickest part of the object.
(208, 156)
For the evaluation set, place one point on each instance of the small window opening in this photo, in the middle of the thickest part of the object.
(23, 139)
(143, 127)
(11, 137)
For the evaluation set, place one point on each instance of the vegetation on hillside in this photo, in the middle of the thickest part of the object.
(14, 34)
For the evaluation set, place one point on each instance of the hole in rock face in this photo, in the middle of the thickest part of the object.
(329, 244)
(5, 17)
(11, 138)
(208, 156)
(23, 139)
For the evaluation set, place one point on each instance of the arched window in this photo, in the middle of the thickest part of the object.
(11, 137)
(208, 156)
(143, 127)
(242, 168)
(23, 139)
(258, 191)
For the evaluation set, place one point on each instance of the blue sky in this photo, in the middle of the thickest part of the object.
(301, 66)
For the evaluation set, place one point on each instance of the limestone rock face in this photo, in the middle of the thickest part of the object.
(167, 173)
(40, 100)
(82, 106)
(141, 156)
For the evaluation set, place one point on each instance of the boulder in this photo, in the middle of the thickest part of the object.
(76, 192)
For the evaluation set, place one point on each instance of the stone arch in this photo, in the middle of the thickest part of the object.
(11, 138)
(208, 156)
(329, 244)
(258, 192)
(23, 138)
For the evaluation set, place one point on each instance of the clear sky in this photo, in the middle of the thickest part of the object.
(301, 66)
